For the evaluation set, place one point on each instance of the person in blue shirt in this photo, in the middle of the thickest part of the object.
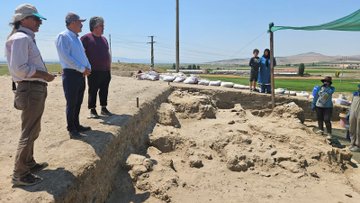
(354, 122)
(264, 78)
(323, 105)
(75, 67)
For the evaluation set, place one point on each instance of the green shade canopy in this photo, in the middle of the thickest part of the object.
(347, 23)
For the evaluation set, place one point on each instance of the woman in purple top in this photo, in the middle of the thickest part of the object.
(97, 51)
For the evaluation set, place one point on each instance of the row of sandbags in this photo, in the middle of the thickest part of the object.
(291, 93)
(192, 79)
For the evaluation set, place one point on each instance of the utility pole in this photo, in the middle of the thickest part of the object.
(272, 66)
(177, 37)
(110, 47)
(152, 51)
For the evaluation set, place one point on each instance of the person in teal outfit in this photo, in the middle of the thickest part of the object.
(323, 105)
(264, 78)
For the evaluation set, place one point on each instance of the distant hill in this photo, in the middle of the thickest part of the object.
(310, 57)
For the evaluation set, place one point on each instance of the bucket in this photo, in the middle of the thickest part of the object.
(343, 120)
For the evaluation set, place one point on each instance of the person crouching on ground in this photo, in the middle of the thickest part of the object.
(265, 72)
(354, 128)
(323, 105)
(97, 51)
(30, 73)
(254, 65)
(75, 67)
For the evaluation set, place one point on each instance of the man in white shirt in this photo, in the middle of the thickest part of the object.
(75, 67)
(30, 73)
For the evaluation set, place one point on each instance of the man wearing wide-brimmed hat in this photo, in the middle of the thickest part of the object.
(75, 67)
(354, 121)
(30, 73)
(323, 105)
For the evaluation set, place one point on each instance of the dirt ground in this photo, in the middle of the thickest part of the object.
(67, 158)
(199, 153)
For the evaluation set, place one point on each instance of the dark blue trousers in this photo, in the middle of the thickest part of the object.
(74, 87)
(265, 89)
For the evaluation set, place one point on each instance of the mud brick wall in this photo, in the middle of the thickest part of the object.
(226, 98)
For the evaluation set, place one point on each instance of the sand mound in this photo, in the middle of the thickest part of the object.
(192, 105)
(166, 115)
(290, 110)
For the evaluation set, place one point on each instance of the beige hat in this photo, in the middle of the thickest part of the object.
(26, 10)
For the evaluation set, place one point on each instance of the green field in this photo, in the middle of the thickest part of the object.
(4, 69)
(53, 68)
(296, 84)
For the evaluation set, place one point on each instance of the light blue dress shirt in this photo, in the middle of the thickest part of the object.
(71, 51)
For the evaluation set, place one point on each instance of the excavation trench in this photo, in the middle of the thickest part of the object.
(200, 143)
(185, 143)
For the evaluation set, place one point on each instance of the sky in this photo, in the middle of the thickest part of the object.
(210, 30)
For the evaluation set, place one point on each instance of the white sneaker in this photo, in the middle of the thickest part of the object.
(328, 136)
(320, 132)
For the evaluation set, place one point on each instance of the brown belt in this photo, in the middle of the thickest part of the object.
(34, 82)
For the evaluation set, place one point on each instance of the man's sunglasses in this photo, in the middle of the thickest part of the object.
(35, 18)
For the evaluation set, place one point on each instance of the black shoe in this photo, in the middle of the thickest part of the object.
(75, 135)
(105, 112)
(38, 167)
(29, 179)
(83, 128)
(93, 114)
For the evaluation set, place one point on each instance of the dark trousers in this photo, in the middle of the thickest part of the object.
(324, 115)
(30, 99)
(74, 87)
(98, 81)
(265, 89)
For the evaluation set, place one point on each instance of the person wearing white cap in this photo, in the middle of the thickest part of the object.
(75, 67)
(30, 73)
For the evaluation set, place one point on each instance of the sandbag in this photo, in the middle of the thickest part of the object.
(191, 80)
(203, 82)
(168, 78)
(152, 77)
(302, 94)
(215, 83)
(243, 87)
(142, 76)
(179, 79)
(291, 93)
(227, 84)
(279, 91)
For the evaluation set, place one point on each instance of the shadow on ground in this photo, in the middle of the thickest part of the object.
(54, 181)
(125, 191)
(339, 140)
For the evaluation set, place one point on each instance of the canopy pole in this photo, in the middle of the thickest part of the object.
(272, 65)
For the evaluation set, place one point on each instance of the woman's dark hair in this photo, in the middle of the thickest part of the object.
(15, 27)
(268, 51)
(267, 57)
